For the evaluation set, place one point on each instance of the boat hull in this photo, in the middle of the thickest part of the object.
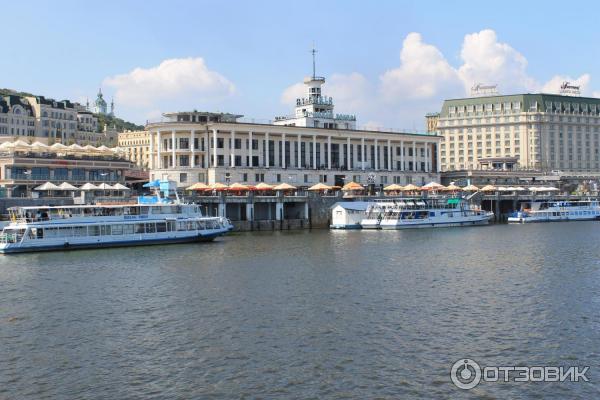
(529, 220)
(434, 224)
(72, 245)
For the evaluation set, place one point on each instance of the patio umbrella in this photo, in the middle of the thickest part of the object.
(410, 188)
(218, 186)
(39, 146)
(88, 187)
(21, 144)
(238, 187)
(59, 147)
(432, 186)
(393, 187)
(319, 187)
(452, 188)
(352, 186)
(66, 186)
(263, 186)
(470, 188)
(119, 186)
(198, 186)
(284, 186)
(47, 186)
(489, 188)
(7, 146)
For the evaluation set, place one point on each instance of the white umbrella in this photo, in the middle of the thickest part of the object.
(105, 186)
(76, 147)
(39, 146)
(66, 186)
(7, 146)
(88, 186)
(47, 186)
(118, 186)
(89, 147)
(59, 146)
(432, 185)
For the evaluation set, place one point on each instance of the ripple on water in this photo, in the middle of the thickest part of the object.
(303, 315)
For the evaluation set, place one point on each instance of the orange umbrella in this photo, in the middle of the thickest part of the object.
(284, 186)
(238, 187)
(263, 186)
(218, 187)
(352, 186)
(318, 187)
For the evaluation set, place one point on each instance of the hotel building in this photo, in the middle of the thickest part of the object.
(527, 131)
(312, 145)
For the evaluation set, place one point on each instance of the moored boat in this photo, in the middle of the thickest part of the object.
(428, 213)
(153, 220)
(554, 211)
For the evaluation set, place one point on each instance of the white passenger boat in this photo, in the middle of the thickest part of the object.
(152, 220)
(374, 214)
(552, 210)
(427, 213)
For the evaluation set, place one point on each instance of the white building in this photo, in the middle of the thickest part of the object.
(529, 131)
(16, 117)
(312, 146)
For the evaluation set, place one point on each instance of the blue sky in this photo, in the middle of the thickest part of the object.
(246, 57)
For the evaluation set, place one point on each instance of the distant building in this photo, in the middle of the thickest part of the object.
(431, 122)
(49, 121)
(16, 117)
(524, 131)
(137, 147)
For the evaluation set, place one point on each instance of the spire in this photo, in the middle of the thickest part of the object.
(314, 52)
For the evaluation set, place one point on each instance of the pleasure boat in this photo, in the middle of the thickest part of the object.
(551, 210)
(428, 213)
(153, 220)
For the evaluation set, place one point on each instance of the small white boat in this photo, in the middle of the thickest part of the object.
(552, 211)
(153, 220)
(429, 213)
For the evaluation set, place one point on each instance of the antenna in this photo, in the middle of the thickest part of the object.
(314, 52)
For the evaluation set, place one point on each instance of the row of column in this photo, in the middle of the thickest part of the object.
(213, 161)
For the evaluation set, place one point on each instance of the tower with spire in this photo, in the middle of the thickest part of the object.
(316, 109)
(100, 104)
(112, 107)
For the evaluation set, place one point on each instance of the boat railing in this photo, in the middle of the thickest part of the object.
(10, 238)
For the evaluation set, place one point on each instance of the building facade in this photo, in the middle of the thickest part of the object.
(16, 117)
(137, 147)
(49, 121)
(21, 172)
(528, 131)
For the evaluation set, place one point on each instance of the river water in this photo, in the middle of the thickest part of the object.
(304, 314)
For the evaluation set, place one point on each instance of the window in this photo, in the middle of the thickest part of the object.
(183, 177)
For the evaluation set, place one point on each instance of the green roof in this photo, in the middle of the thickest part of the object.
(527, 101)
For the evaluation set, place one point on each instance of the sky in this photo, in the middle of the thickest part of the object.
(388, 62)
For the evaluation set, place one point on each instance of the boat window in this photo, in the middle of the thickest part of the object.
(144, 210)
(139, 228)
(171, 226)
(181, 226)
(128, 229)
(150, 227)
(65, 231)
(161, 227)
(94, 230)
(117, 229)
(80, 231)
(105, 230)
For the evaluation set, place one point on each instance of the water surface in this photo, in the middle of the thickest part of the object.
(340, 315)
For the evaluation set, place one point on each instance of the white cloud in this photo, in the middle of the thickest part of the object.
(171, 79)
(485, 60)
(352, 92)
(291, 93)
(553, 85)
(423, 72)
